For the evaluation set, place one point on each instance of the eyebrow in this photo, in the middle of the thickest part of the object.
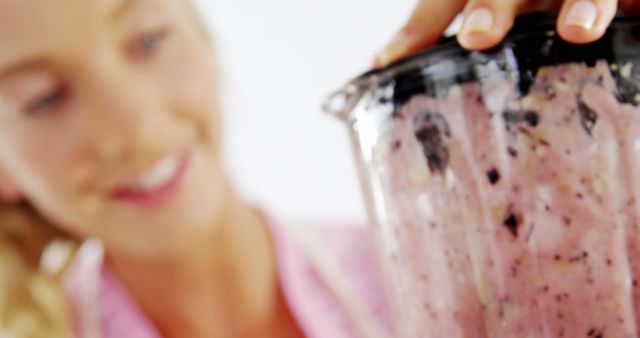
(121, 8)
(38, 62)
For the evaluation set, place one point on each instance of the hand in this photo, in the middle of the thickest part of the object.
(486, 22)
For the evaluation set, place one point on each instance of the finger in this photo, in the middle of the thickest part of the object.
(487, 22)
(584, 21)
(424, 28)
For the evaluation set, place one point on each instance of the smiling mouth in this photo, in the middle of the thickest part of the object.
(158, 183)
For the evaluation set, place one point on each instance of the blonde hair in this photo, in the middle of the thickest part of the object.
(32, 302)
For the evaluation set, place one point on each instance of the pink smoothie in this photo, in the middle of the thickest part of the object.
(513, 215)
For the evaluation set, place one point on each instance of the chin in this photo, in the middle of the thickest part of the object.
(193, 215)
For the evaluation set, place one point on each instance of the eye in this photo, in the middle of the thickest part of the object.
(47, 102)
(148, 44)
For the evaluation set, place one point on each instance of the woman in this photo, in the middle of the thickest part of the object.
(109, 149)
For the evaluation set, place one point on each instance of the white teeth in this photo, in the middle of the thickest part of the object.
(159, 175)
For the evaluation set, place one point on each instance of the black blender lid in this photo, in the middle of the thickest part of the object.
(535, 24)
(531, 44)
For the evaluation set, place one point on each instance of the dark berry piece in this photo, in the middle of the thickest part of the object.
(588, 117)
(532, 118)
(493, 175)
(512, 222)
(431, 132)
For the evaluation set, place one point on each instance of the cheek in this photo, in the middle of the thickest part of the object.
(45, 158)
(58, 183)
(49, 177)
(192, 91)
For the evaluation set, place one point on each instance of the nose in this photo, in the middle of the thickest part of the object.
(124, 117)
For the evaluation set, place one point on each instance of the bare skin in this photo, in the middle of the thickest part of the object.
(86, 87)
(206, 305)
(110, 127)
(486, 22)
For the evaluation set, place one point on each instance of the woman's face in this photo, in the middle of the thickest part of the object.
(108, 119)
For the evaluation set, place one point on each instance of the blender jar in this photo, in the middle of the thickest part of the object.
(502, 186)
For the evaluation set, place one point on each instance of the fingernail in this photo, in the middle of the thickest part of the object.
(582, 13)
(398, 46)
(478, 20)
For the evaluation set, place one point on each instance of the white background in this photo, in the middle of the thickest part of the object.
(279, 59)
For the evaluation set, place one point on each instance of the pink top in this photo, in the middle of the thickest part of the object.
(314, 296)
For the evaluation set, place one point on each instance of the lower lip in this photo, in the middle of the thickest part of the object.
(160, 194)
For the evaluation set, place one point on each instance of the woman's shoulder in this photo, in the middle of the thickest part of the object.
(347, 246)
(332, 279)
